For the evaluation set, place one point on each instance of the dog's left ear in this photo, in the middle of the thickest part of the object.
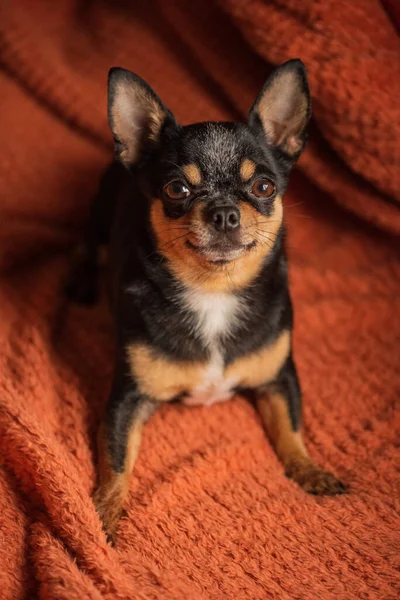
(283, 108)
(136, 115)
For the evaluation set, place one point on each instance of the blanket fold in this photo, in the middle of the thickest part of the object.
(210, 513)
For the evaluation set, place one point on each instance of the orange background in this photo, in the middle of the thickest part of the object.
(210, 513)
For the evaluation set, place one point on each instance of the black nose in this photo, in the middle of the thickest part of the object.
(225, 218)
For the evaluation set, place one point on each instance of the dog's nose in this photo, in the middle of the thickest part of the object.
(225, 218)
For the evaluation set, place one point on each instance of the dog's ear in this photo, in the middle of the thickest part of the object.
(135, 113)
(283, 108)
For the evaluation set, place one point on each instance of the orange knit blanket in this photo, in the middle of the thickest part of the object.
(210, 514)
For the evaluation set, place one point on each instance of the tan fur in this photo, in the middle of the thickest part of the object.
(160, 378)
(262, 366)
(193, 269)
(163, 379)
(290, 448)
(113, 487)
(288, 444)
(247, 169)
(249, 219)
(192, 174)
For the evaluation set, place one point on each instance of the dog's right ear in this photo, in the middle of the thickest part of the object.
(135, 113)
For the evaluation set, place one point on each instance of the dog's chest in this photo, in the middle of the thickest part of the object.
(215, 317)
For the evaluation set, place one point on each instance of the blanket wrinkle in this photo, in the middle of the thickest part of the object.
(210, 514)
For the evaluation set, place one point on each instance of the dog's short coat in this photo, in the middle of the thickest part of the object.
(197, 270)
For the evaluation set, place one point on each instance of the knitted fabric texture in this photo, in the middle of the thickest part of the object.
(210, 514)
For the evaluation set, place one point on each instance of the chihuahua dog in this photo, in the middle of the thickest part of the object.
(198, 278)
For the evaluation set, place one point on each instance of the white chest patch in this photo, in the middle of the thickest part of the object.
(216, 315)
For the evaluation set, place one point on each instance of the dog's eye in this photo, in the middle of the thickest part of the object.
(263, 188)
(176, 190)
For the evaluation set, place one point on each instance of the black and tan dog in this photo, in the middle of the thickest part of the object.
(198, 272)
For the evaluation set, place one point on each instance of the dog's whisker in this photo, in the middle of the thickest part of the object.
(229, 276)
(201, 279)
(170, 242)
(174, 229)
(266, 237)
(300, 216)
(267, 221)
(264, 242)
(257, 223)
(166, 245)
(295, 204)
(267, 234)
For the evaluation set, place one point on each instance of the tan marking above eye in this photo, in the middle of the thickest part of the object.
(192, 174)
(247, 169)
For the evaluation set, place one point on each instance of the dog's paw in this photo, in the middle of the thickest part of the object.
(315, 480)
(109, 512)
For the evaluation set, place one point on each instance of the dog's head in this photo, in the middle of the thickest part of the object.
(215, 188)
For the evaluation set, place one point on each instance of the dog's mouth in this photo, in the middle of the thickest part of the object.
(222, 252)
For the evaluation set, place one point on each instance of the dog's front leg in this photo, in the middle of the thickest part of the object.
(119, 439)
(279, 405)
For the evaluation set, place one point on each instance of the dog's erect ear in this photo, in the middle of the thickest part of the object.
(135, 113)
(283, 108)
